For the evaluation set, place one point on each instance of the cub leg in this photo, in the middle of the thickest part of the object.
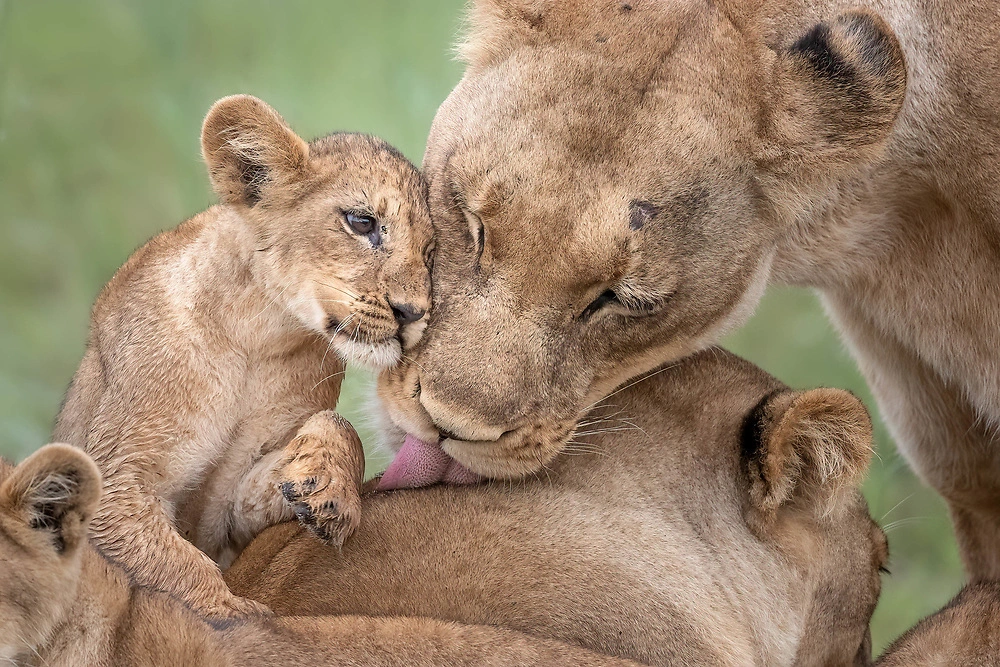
(257, 504)
(321, 474)
(133, 528)
(948, 445)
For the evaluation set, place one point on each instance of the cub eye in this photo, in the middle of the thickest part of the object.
(607, 297)
(361, 223)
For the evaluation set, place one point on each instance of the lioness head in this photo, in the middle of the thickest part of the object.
(609, 181)
(45, 508)
(342, 226)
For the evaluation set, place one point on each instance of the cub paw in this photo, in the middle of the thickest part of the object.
(321, 477)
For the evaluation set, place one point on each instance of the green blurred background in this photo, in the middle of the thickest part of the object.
(100, 110)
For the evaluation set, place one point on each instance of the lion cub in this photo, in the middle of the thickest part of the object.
(211, 369)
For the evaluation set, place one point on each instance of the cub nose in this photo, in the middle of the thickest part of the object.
(406, 313)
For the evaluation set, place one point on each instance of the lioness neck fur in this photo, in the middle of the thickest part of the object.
(215, 343)
(711, 517)
(62, 604)
(637, 172)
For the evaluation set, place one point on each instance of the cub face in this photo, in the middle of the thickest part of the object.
(343, 236)
(46, 504)
(609, 183)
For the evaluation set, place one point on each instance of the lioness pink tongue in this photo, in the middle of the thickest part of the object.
(421, 463)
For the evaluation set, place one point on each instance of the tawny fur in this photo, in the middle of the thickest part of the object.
(686, 154)
(965, 633)
(653, 537)
(62, 604)
(215, 343)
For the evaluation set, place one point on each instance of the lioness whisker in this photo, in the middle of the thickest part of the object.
(343, 323)
(411, 360)
(612, 429)
(898, 523)
(895, 507)
(631, 384)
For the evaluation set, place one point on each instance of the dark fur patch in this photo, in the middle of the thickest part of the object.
(641, 213)
(754, 425)
(825, 60)
(252, 175)
(222, 624)
(48, 516)
(875, 46)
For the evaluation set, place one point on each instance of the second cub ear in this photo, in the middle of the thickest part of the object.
(837, 91)
(54, 494)
(250, 150)
(803, 451)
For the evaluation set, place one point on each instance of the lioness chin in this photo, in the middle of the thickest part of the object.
(63, 604)
(708, 515)
(206, 391)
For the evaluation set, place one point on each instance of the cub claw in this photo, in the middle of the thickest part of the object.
(321, 477)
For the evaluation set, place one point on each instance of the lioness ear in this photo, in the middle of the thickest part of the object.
(497, 27)
(803, 450)
(55, 491)
(249, 149)
(838, 89)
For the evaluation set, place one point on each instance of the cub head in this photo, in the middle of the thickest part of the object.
(805, 455)
(609, 182)
(343, 237)
(46, 504)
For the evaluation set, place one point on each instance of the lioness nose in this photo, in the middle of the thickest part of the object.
(406, 313)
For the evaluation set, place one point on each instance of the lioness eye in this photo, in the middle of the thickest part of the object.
(607, 297)
(478, 232)
(360, 223)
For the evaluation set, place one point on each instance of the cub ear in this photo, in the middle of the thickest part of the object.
(55, 492)
(838, 89)
(249, 150)
(804, 450)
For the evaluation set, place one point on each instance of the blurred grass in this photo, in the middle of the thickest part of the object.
(100, 111)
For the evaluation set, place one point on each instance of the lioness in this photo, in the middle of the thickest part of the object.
(711, 516)
(214, 344)
(615, 182)
(62, 604)
(965, 633)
